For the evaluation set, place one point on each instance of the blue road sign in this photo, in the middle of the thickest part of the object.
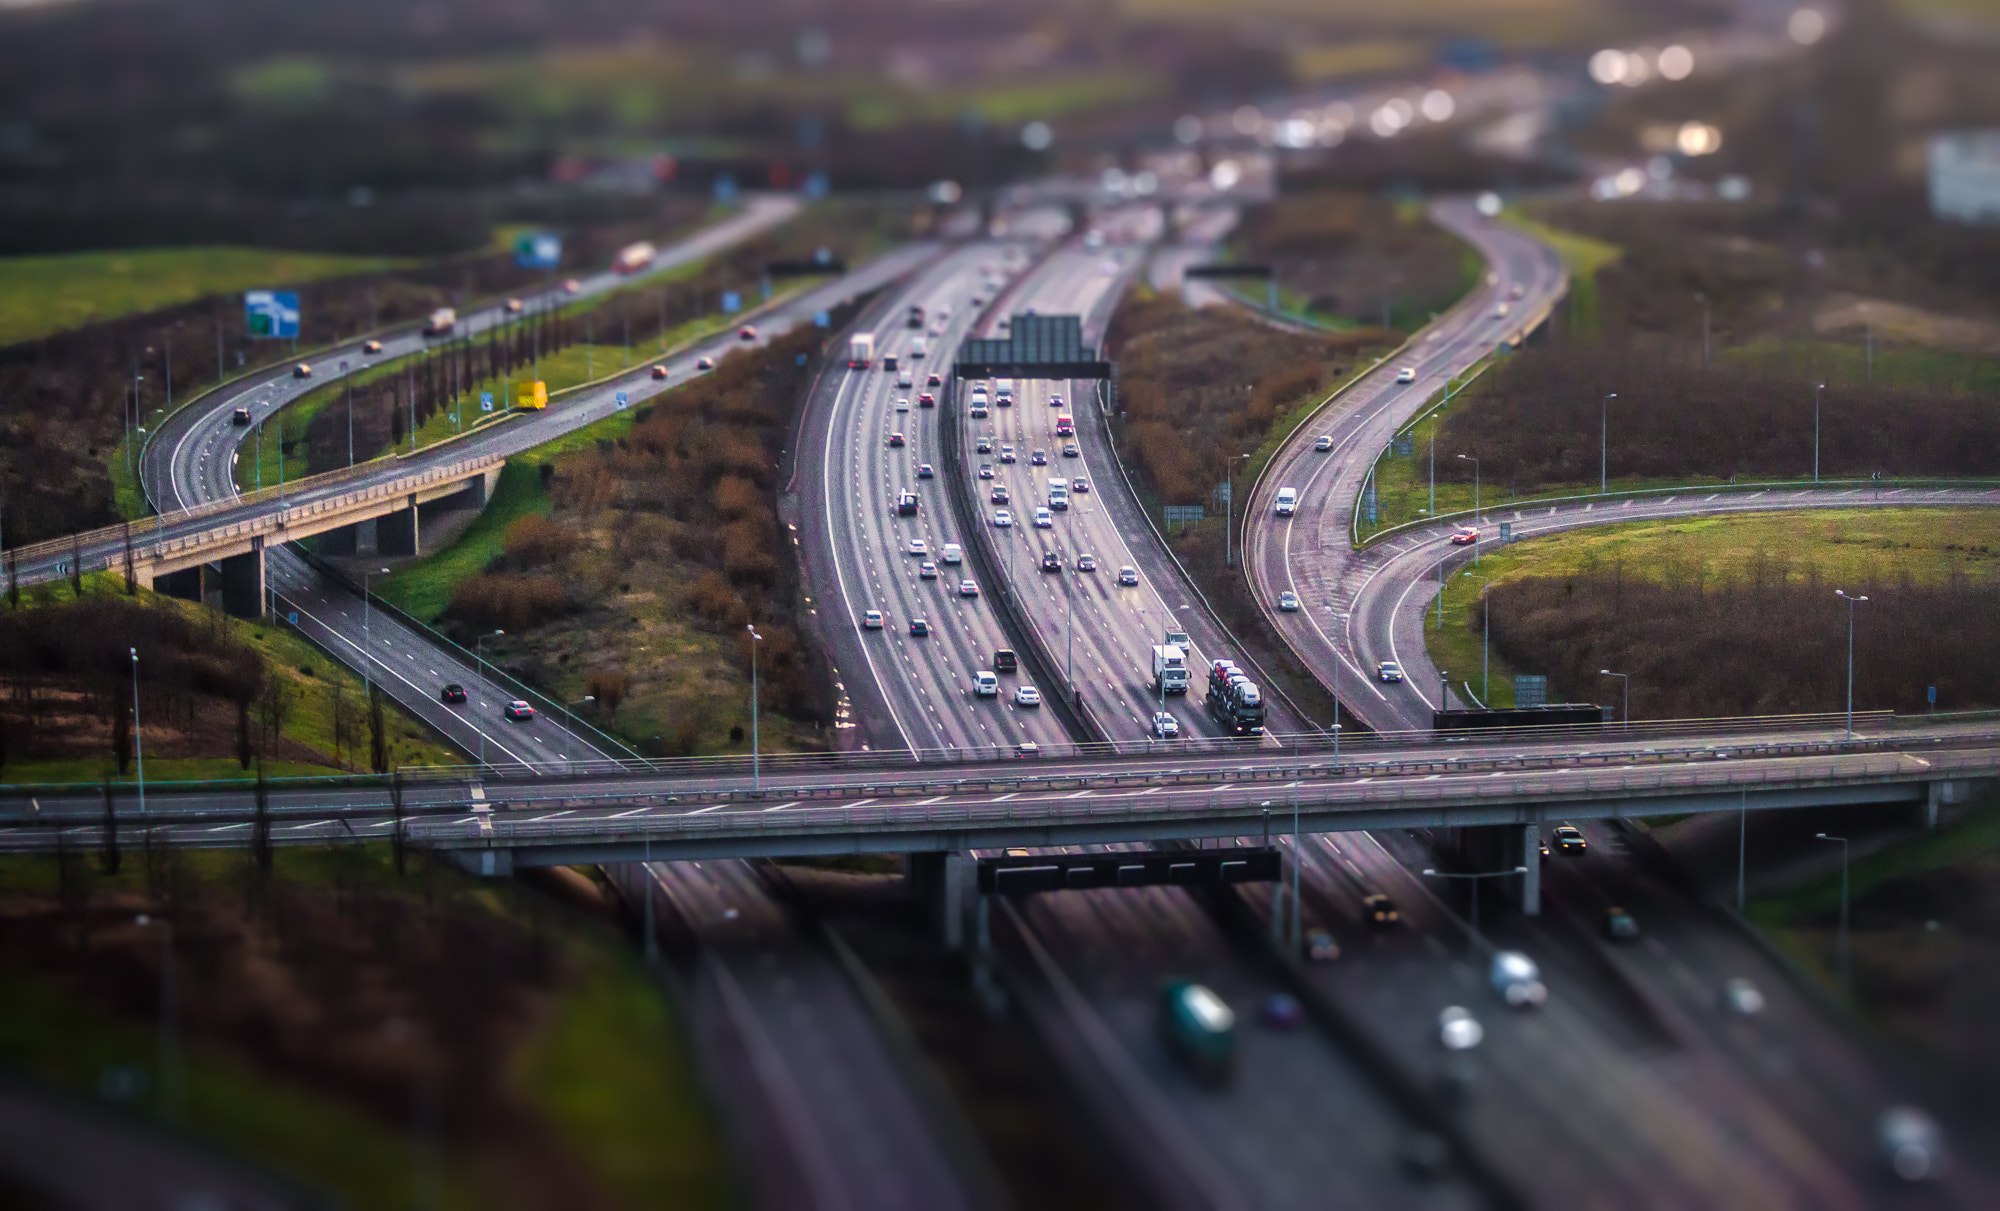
(271, 313)
(816, 186)
(732, 301)
(293, 618)
(1933, 695)
(623, 401)
(486, 401)
(725, 188)
(538, 250)
(822, 320)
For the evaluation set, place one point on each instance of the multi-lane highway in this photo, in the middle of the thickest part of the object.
(914, 691)
(1308, 552)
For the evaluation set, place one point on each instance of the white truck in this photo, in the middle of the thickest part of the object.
(860, 350)
(1170, 671)
(1003, 390)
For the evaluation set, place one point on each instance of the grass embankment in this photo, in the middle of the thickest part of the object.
(553, 1070)
(1347, 259)
(625, 560)
(44, 294)
(1921, 549)
(1542, 427)
(1924, 950)
(313, 722)
(1582, 256)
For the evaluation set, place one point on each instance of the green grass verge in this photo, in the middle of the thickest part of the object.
(424, 588)
(1928, 546)
(44, 294)
(1942, 370)
(313, 678)
(1583, 257)
(68, 1043)
(616, 1082)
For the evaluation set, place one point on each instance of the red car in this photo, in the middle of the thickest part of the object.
(1465, 537)
(659, 372)
(746, 333)
(927, 400)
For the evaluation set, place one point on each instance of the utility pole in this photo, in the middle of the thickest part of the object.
(1851, 603)
(138, 738)
(1604, 442)
(1816, 394)
(756, 773)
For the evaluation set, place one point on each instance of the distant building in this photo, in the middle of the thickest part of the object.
(1965, 176)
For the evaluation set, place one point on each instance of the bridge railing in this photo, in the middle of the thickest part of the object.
(303, 490)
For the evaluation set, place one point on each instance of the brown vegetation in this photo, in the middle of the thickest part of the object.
(1197, 388)
(1534, 422)
(1774, 645)
(1357, 256)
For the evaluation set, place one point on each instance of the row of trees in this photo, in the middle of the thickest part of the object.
(1764, 644)
(1537, 421)
(1198, 388)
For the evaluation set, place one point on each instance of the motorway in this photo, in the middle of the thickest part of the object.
(909, 691)
(1309, 552)
(413, 666)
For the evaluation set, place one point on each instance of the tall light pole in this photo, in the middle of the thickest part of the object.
(1846, 969)
(367, 657)
(1604, 442)
(479, 654)
(1229, 512)
(1485, 642)
(138, 738)
(1475, 506)
(1475, 876)
(1701, 298)
(1627, 679)
(569, 723)
(1816, 394)
(756, 773)
(1851, 603)
(1444, 689)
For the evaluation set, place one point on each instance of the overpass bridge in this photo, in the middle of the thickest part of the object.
(378, 505)
(1507, 785)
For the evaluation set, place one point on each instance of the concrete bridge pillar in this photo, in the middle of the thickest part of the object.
(340, 541)
(184, 584)
(940, 881)
(397, 533)
(1531, 857)
(243, 582)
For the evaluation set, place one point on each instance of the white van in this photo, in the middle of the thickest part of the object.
(985, 684)
(920, 346)
(951, 554)
(904, 379)
(979, 402)
(1058, 496)
(1004, 390)
(1287, 503)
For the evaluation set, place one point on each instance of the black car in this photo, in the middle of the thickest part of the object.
(453, 693)
(1379, 910)
(1051, 562)
(240, 417)
(919, 627)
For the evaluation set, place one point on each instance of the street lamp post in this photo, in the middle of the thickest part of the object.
(1444, 689)
(1701, 298)
(138, 737)
(367, 652)
(479, 654)
(569, 724)
(1229, 512)
(756, 773)
(169, 1062)
(1851, 603)
(1475, 507)
(1816, 394)
(1604, 442)
(1475, 876)
(1485, 642)
(1627, 679)
(1846, 969)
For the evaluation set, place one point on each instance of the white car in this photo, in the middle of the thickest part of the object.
(927, 570)
(1288, 601)
(1407, 374)
(1044, 519)
(1323, 442)
(1165, 726)
(1002, 518)
(951, 554)
(1500, 311)
(968, 588)
(1027, 695)
(871, 620)
(902, 405)
(919, 547)
(1388, 671)
(1516, 978)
